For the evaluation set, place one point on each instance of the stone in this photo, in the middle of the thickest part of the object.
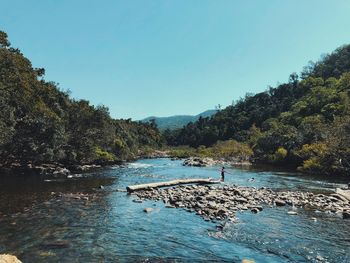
(280, 202)
(241, 200)
(346, 215)
(255, 210)
(61, 171)
(340, 197)
(148, 210)
(319, 258)
(6, 258)
(292, 213)
(137, 201)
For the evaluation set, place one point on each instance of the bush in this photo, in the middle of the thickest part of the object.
(280, 154)
(104, 156)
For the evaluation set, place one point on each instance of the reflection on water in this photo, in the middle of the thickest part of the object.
(45, 219)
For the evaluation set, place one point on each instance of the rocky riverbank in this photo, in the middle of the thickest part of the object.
(54, 169)
(223, 202)
(207, 161)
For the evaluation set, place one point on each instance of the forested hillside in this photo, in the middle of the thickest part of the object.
(177, 121)
(39, 123)
(304, 123)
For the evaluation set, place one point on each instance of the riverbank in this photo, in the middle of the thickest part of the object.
(61, 169)
(55, 169)
(214, 203)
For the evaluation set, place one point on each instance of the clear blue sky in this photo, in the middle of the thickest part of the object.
(142, 58)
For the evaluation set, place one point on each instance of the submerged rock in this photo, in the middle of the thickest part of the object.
(279, 202)
(255, 210)
(148, 210)
(346, 215)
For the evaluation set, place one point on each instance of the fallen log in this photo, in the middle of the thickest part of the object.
(133, 188)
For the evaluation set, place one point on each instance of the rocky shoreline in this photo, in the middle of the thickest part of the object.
(215, 203)
(207, 161)
(55, 169)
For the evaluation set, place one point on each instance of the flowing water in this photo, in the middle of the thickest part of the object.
(45, 219)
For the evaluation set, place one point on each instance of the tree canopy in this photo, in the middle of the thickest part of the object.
(40, 123)
(302, 123)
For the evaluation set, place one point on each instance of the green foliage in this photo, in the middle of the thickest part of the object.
(304, 123)
(40, 123)
(230, 149)
(279, 155)
(104, 156)
(182, 152)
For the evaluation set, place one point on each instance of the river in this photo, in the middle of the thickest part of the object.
(47, 219)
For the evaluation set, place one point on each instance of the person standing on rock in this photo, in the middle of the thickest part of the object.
(222, 174)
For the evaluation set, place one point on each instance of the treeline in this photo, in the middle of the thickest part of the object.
(39, 123)
(304, 123)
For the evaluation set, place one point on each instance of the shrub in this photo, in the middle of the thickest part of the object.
(104, 156)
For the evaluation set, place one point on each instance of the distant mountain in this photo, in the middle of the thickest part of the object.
(177, 121)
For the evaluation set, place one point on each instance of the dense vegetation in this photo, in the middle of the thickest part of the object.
(41, 124)
(304, 123)
(229, 150)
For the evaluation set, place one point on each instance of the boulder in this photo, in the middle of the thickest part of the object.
(280, 202)
(255, 210)
(346, 214)
(292, 213)
(148, 210)
(340, 197)
(61, 171)
(198, 162)
(6, 258)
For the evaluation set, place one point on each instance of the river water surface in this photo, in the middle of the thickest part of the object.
(45, 219)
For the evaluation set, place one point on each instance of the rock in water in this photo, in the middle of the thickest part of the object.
(255, 210)
(346, 215)
(148, 210)
(248, 261)
(6, 258)
(279, 202)
(61, 171)
(292, 213)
